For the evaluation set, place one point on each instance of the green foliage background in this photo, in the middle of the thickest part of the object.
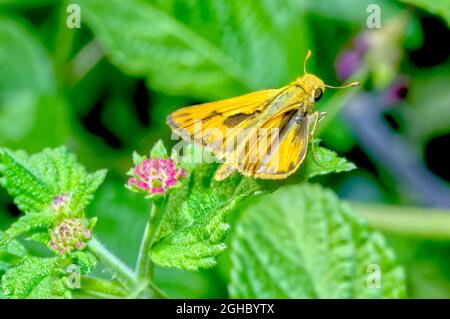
(105, 90)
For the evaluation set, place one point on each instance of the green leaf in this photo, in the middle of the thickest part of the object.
(27, 223)
(83, 194)
(35, 180)
(40, 181)
(202, 48)
(327, 162)
(34, 278)
(25, 3)
(11, 254)
(85, 260)
(303, 242)
(25, 63)
(158, 150)
(439, 7)
(28, 90)
(30, 192)
(40, 237)
(193, 227)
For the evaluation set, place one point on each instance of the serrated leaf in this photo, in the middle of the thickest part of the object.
(193, 227)
(85, 260)
(84, 192)
(35, 180)
(34, 278)
(30, 192)
(11, 254)
(303, 242)
(27, 223)
(201, 48)
(327, 162)
(40, 237)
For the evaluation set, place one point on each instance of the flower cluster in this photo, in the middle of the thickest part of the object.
(60, 201)
(155, 176)
(71, 234)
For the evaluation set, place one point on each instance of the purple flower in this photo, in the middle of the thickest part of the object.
(351, 59)
(347, 63)
(155, 176)
(362, 42)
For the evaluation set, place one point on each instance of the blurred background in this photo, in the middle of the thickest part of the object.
(105, 87)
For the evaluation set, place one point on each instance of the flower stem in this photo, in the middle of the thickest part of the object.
(144, 251)
(124, 274)
(144, 265)
(102, 287)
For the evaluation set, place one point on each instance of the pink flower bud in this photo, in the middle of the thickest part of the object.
(71, 234)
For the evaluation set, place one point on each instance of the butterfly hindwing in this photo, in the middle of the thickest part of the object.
(273, 150)
(289, 150)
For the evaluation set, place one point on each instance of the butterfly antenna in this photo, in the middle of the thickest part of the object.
(353, 84)
(308, 55)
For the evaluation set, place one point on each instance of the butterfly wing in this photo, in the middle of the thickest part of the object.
(288, 152)
(207, 123)
(274, 150)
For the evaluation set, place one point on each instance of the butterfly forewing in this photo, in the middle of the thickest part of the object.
(211, 124)
(262, 134)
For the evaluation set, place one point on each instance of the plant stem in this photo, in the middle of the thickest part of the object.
(144, 251)
(407, 221)
(158, 293)
(102, 287)
(124, 274)
(144, 265)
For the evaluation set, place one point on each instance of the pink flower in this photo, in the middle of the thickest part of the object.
(69, 235)
(155, 176)
(60, 201)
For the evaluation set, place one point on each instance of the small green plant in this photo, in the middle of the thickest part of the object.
(300, 241)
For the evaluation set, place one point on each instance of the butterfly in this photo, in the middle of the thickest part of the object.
(263, 134)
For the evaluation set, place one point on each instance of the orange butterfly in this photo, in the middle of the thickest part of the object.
(263, 134)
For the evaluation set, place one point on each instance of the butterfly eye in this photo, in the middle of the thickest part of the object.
(317, 95)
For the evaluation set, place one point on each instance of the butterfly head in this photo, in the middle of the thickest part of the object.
(314, 86)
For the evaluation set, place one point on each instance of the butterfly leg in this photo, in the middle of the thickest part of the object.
(321, 116)
(317, 117)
